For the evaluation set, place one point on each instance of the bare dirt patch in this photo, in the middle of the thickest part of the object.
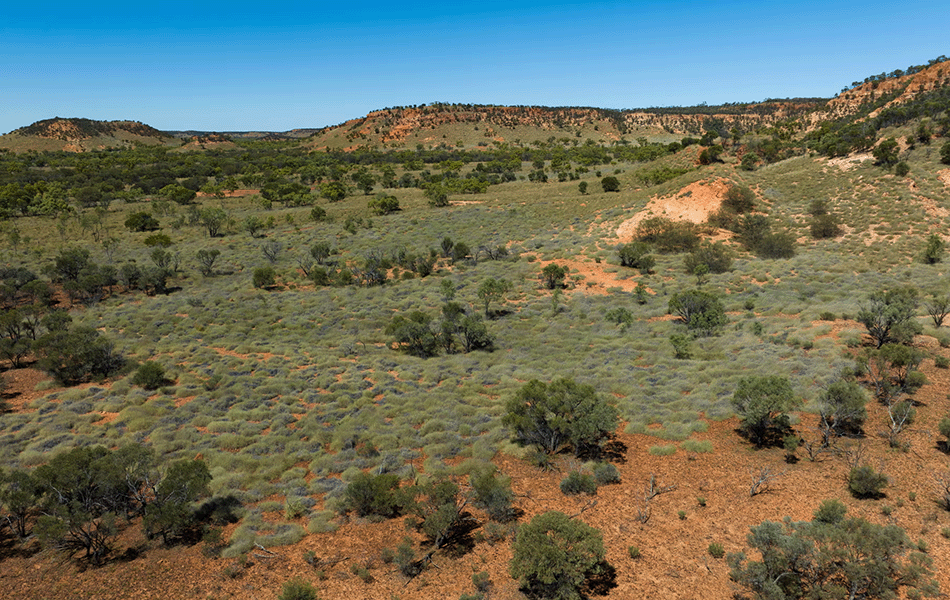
(846, 163)
(595, 278)
(693, 203)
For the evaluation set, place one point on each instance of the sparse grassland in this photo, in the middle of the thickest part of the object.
(289, 391)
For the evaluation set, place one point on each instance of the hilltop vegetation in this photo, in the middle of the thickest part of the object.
(348, 337)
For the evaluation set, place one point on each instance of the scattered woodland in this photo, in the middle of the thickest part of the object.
(483, 352)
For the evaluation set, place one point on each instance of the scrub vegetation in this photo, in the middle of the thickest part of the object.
(355, 336)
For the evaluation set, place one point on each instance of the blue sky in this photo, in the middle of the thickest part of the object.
(227, 66)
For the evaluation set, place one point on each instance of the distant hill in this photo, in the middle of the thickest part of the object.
(81, 135)
(474, 125)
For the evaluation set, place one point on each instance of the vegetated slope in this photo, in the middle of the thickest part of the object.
(81, 135)
(289, 391)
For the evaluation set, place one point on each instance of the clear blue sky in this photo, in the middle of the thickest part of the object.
(227, 66)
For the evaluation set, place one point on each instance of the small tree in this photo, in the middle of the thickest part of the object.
(414, 334)
(170, 513)
(492, 492)
(889, 316)
(75, 355)
(886, 153)
(19, 495)
(206, 259)
(437, 195)
(559, 415)
(702, 312)
(384, 204)
(841, 407)
(213, 220)
(636, 255)
(933, 252)
(141, 221)
(938, 307)
(762, 403)
(865, 482)
(945, 153)
(610, 184)
(554, 555)
(553, 276)
(493, 290)
(333, 191)
(825, 226)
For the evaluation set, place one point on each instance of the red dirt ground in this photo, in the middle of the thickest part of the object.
(674, 562)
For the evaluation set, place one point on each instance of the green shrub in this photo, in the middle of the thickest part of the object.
(559, 415)
(634, 552)
(944, 427)
(702, 312)
(831, 558)
(824, 227)
(378, 495)
(605, 473)
(716, 550)
(668, 236)
(865, 482)
(150, 375)
(698, 446)
(553, 276)
(264, 277)
(578, 483)
(933, 252)
(610, 184)
(717, 258)
(77, 354)
(298, 589)
(141, 221)
(762, 402)
(493, 493)
(554, 555)
(636, 255)
(739, 199)
(941, 362)
(157, 240)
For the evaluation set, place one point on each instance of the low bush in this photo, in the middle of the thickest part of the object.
(150, 375)
(264, 277)
(717, 258)
(578, 483)
(605, 473)
(865, 482)
(668, 236)
(298, 589)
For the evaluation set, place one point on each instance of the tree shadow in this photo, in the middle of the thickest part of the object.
(613, 450)
(13, 547)
(601, 581)
(462, 540)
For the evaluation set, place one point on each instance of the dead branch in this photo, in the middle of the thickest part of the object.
(590, 504)
(761, 479)
(652, 490)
